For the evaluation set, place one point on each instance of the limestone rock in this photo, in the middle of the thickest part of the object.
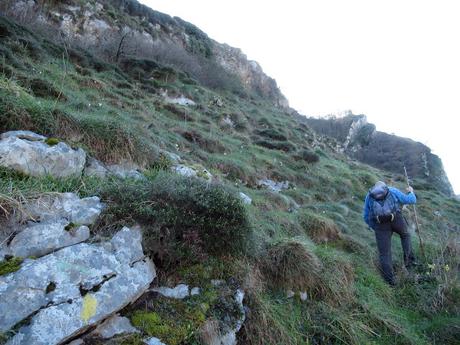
(195, 291)
(74, 288)
(68, 206)
(245, 198)
(113, 326)
(231, 323)
(27, 135)
(192, 171)
(153, 341)
(179, 292)
(43, 238)
(123, 172)
(36, 158)
(273, 185)
(95, 168)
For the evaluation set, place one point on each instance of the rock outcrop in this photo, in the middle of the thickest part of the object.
(33, 155)
(66, 292)
(360, 140)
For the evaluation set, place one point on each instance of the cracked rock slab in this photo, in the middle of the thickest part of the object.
(70, 290)
(36, 158)
(66, 206)
(43, 238)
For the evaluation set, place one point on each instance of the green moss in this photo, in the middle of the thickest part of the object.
(52, 141)
(11, 265)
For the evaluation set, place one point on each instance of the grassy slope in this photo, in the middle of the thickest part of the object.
(88, 103)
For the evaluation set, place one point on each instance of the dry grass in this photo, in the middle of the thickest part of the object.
(319, 228)
(291, 265)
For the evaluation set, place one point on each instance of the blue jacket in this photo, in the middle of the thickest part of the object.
(400, 198)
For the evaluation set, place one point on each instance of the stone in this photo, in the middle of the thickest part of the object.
(303, 296)
(153, 341)
(217, 282)
(75, 288)
(290, 293)
(184, 170)
(124, 172)
(193, 171)
(173, 157)
(231, 323)
(77, 342)
(246, 199)
(43, 238)
(114, 325)
(95, 168)
(66, 205)
(273, 185)
(27, 135)
(179, 292)
(195, 291)
(36, 158)
(121, 244)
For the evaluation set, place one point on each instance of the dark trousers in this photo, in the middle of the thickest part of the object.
(383, 233)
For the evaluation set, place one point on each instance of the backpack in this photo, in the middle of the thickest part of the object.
(384, 206)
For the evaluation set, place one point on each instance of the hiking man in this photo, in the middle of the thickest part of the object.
(382, 213)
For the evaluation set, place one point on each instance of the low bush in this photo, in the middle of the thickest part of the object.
(205, 143)
(271, 133)
(182, 216)
(307, 156)
(285, 146)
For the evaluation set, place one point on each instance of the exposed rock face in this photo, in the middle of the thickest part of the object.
(43, 238)
(274, 186)
(89, 25)
(250, 73)
(361, 141)
(77, 287)
(33, 156)
(192, 171)
(65, 206)
(59, 220)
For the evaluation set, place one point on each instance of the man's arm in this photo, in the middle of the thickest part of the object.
(408, 198)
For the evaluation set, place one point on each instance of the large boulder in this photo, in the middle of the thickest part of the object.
(65, 293)
(30, 154)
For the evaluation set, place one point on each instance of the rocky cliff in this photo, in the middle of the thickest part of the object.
(126, 29)
(360, 140)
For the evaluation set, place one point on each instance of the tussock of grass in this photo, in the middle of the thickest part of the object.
(319, 228)
(290, 264)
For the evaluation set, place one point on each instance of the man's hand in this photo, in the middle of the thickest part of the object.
(409, 189)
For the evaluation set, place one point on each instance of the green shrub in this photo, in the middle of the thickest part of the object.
(285, 146)
(307, 156)
(182, 214)
(271, 133)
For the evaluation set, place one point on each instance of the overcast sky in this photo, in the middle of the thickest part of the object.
(397, 61)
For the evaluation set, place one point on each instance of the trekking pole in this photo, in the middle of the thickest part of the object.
(417, 225)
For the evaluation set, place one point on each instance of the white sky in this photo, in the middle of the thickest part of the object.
(397, 61)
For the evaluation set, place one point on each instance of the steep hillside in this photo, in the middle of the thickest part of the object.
(203, 210)
(359, 139)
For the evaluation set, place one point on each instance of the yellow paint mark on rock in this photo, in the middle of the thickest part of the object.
(88, 309)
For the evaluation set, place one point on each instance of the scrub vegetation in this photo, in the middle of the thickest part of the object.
(307, 239)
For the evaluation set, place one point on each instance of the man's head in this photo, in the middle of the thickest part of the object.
(379, 191)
